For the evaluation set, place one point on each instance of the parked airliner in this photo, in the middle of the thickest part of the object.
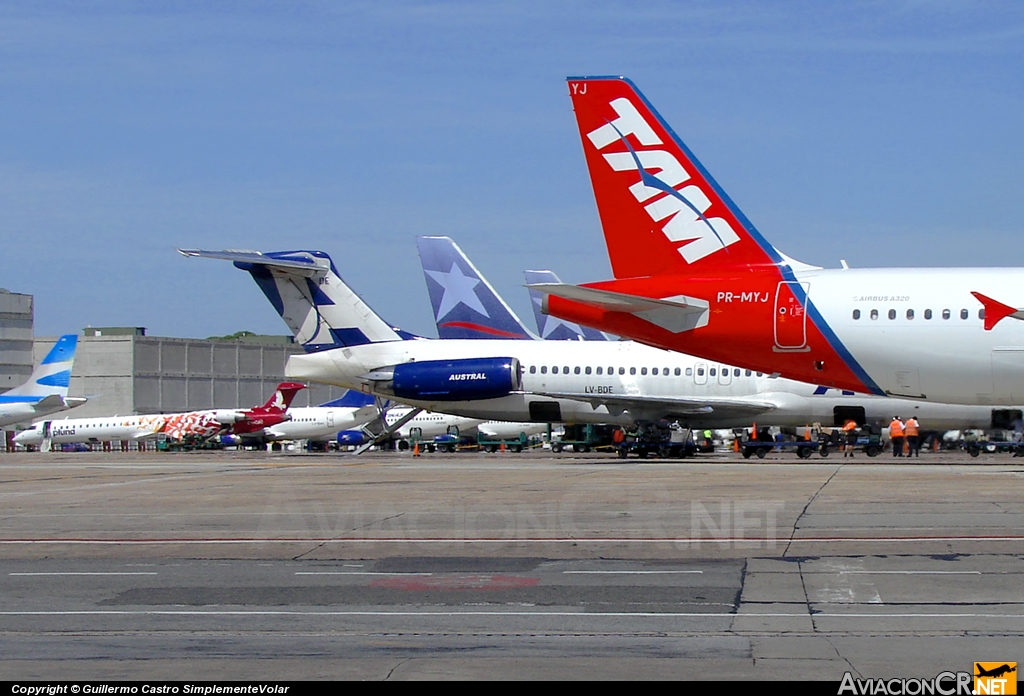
(173, 426)
(693, 274)
(318, 423)
(46, 390)
(613, 382)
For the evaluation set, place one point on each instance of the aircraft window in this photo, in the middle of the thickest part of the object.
(856, 314)
(874, 314)
(927, 314)
(533, 369)
(643, 370)
(964, 313)
(622, 370)
(664, 371)
(632, 370)
(910, 314)
(576, 370)
(587, 370)
(945, 314)
(654, 371)
(700, 371)
(689, 372)
(892, 314)
(981, 313)
(760, 374)
(543, 369)
(713, 372)
(747, 373)
(736, 372)
(600, 370)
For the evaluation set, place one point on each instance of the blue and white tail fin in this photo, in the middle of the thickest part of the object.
(53, 375)
(316, 304)
(550, 327)
(465, 304)
(351, 399)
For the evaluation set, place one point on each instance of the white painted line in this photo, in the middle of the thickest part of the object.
(910, 572)
(512, 540)
(632, 572)
(541, 614)
(111, 573)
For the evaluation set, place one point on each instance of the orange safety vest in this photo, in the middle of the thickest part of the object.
(895, 428)
(912, 428)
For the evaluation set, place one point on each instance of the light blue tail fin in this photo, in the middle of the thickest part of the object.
(553, 328)
(53, 374)
(316, 304)
(465, 305)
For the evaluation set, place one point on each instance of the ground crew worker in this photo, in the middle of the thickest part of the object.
(896, 435)
(850, 428)
(912, 431)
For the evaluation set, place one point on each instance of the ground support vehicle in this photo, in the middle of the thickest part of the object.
(803, 448)
(487, 444)
(870, 443)
(584, 437)
(657, 439)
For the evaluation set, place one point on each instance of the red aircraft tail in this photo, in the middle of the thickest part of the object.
(661, 211)
(282, 398)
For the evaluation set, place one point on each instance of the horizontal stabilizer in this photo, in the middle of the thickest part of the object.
(676, 314)
(996, 311)
(298, 262)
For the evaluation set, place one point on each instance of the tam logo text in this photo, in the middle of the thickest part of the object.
(663, 189)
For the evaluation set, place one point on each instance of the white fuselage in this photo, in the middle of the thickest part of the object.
(942, 352)
(428, 424)
(317, 423)
(632, 374)
(89, 430)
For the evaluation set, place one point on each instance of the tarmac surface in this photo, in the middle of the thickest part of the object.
(275, 566)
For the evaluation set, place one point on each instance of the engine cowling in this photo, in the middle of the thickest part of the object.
(228, 416)
(456, 380)
(351, 437)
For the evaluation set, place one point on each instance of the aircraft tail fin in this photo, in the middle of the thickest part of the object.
(465, 305)
(54, 372)
(661, 211)
(283, 397)
(312, 299)
(351, 399)
(550, 327)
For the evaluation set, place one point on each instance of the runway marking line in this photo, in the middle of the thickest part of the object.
(512, 540)
(577, 614)
(84, 573)
(909, 572)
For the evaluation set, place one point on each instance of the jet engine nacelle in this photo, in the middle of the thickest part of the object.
(351, 437)
(228, 416)
(456, 380)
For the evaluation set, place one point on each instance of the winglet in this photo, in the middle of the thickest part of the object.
(996, 311)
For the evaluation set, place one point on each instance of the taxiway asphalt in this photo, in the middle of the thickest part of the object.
(292, 566)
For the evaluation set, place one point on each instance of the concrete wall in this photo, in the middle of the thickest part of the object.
(150, 374)
(16, 335)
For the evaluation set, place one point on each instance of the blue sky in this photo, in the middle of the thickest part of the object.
(885, 133)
